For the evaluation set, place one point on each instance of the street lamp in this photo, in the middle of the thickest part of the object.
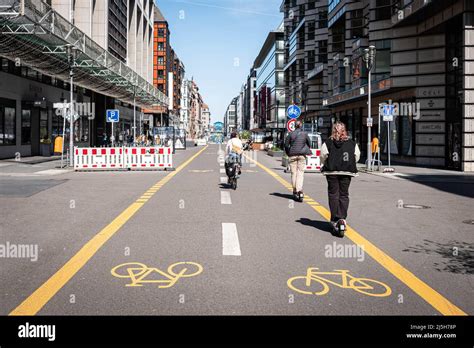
(72, 56)
(369, 59)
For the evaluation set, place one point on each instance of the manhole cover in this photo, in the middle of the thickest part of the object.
(469, 222)
(415, 206)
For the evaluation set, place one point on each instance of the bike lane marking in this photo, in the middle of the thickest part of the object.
(230, 240)
(41, 296)
(427, 293)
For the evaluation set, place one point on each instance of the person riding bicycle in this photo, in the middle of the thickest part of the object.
(233, 152)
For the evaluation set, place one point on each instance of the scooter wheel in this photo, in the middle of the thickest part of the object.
(234, 184)
(340, 230)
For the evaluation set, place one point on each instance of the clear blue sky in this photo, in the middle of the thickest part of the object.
(209, 35)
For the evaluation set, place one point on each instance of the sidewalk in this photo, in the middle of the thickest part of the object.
(32, 166)
(421, 174)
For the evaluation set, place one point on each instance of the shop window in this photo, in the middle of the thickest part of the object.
(44, 124)
(26, 127)
(7, 122)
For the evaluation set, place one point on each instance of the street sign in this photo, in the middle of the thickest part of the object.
(113, 116)
(294, 111)
(388, 111)
(370, 122)
(291, 125)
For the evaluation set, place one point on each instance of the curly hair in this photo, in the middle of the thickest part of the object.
(339, 132)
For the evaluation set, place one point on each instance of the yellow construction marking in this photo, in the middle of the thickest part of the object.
(41, 296)
(434, 298)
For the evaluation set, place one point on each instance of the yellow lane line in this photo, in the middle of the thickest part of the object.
(434, 298)
(41, 296)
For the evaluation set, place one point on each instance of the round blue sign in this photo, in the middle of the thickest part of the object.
(294, 111)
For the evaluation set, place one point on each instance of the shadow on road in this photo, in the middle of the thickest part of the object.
(320, 225)
(282, 195)
(455, 184)
(456, 257)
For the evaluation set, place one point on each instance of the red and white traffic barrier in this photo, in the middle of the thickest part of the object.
(148, 158)
(313, 163)
(126, 158)
(105, 158)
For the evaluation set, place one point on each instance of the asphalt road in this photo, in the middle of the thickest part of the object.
(244, 245)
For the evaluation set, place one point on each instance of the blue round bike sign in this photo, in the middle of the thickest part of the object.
(294, 111)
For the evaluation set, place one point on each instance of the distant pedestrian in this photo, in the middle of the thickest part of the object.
(339, 157)
(297, 147)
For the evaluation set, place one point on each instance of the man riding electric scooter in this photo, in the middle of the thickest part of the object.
(233, 162)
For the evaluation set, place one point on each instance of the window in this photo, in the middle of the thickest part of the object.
(25, 127)
(7, 122)
(161, 32)
(161, 60)
(161, 46)
(322, 51)
(311, 55)
(161, 74)
(383, 9)
(44, 124)
(311, 28)
(357, 24)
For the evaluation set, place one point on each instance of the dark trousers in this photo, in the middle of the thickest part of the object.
(338, 192)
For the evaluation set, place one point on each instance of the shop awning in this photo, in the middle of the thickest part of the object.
(34, 35)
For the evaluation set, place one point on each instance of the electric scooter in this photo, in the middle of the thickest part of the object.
(233, 170)
(340, 228)
(299, 196)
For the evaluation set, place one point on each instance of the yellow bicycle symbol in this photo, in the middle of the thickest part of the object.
(314, 283)
(138, 272)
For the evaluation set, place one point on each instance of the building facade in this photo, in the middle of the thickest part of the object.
(306, 57)
(422, 65)
(230, 117)
(27, 95)
(249, 121)
(270, 83)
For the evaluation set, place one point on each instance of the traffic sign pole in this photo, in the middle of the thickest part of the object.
(379, 135)
(369, 126)
(388, 142)
(71, 122)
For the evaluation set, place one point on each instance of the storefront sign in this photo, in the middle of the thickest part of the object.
(430, 127)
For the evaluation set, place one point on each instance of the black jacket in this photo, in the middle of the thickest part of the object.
(297, 144)
(342, 156)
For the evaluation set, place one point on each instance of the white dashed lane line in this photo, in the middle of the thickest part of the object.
(230, 240)
(225, 197)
